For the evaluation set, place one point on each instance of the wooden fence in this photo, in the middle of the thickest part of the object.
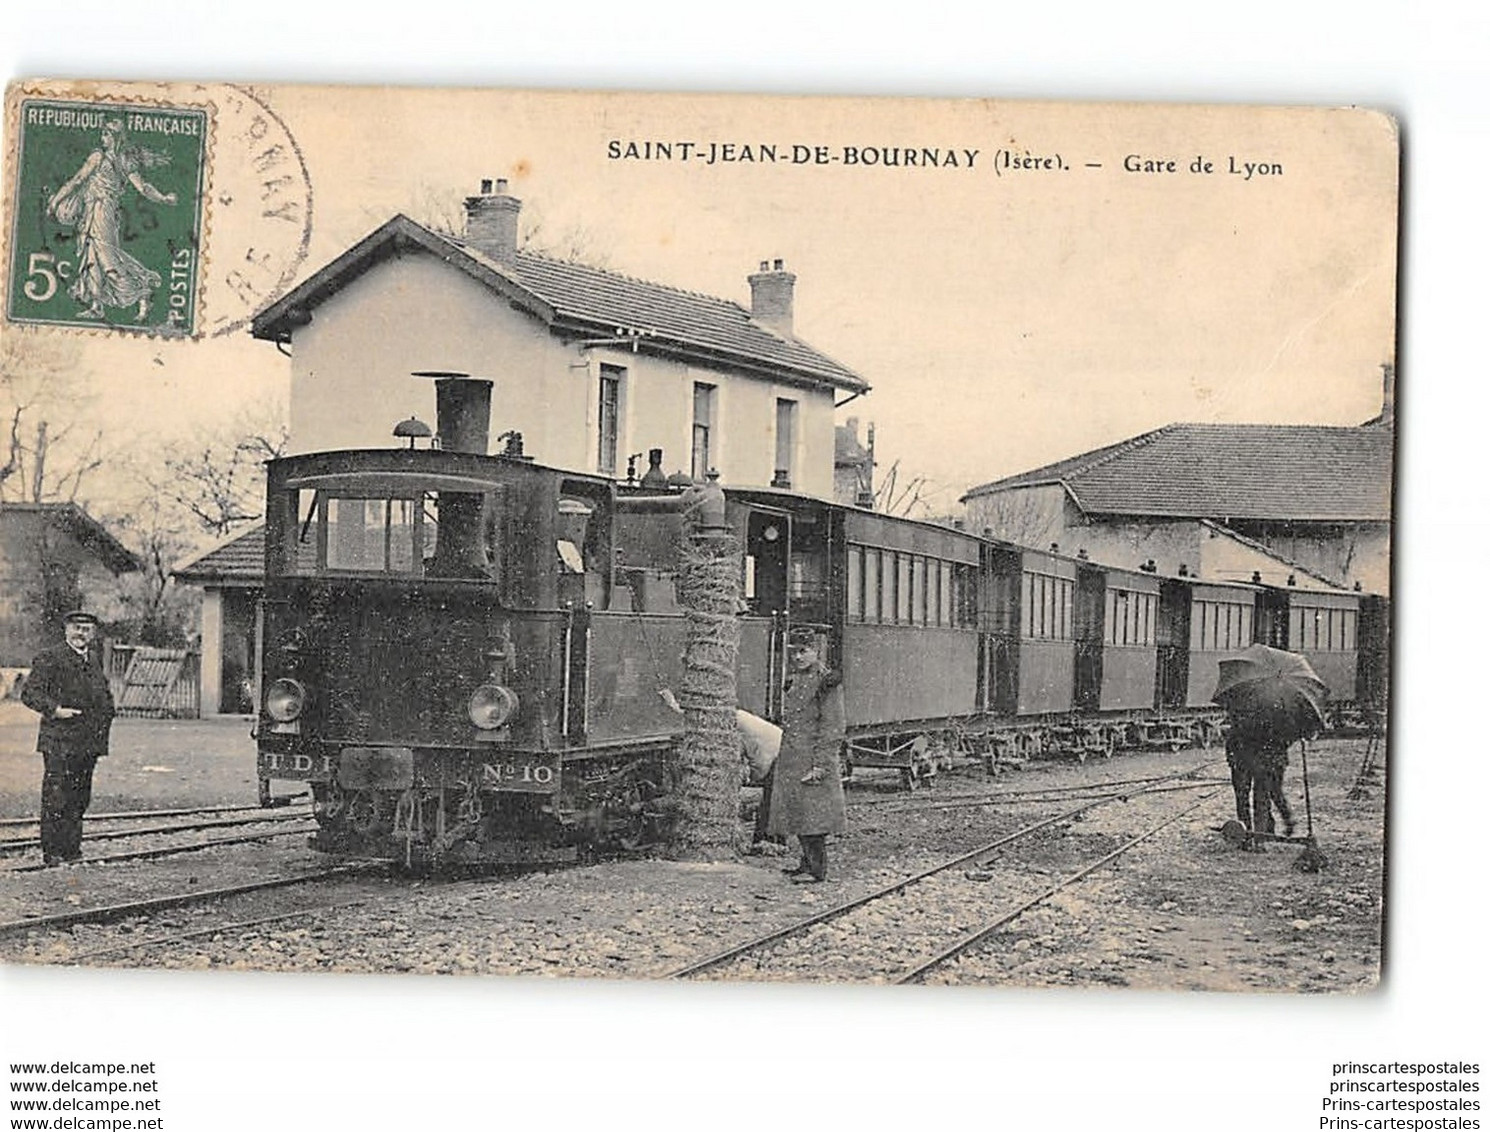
(155, 683)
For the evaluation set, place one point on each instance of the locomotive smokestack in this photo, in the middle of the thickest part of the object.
(462, 411)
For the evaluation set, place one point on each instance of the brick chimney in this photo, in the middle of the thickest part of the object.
(771, 296)
(491, 222)
(1388, 393)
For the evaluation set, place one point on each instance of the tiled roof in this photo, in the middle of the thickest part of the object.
(1285, 472)
(576, 297)
(240, 559)
(85, 528)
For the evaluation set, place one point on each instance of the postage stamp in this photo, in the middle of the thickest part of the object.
(107, 215)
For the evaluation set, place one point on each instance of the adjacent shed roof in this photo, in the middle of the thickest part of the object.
(82, 526)
(239, 560)
(1298, 473)
(580, 300)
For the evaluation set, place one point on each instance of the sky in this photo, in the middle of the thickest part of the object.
(1005, 317)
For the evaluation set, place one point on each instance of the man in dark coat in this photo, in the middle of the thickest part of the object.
(1258, 760)
(806, 787)
(68, 688)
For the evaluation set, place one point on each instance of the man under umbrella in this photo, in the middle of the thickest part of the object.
(69, 690)
(1272, 699)
(1258, 760)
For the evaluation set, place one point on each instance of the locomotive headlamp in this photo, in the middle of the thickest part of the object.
(491, 706)
(285, 700)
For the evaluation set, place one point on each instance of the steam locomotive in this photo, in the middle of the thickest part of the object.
(463, 652)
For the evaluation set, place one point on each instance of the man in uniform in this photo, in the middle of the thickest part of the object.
(69, 690)
(806, 787)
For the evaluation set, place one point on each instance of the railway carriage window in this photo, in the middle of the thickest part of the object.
(1350, 630)
(1247, 634)
(887, 586)
(944, 593)
(871, 585)
(918, 590)
(1295, 628)
(903, 591)
(856, 583)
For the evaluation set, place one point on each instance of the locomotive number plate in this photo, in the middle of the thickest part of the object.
(524, 773)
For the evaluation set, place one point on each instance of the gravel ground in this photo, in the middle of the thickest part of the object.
(1182, 911)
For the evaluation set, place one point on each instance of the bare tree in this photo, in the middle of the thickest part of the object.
(1025, 516)
(48, 453)
(187, 492)
(217, 477)
(917, 497)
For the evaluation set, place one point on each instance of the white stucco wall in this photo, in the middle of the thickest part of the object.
(351, 382)
(211, 661)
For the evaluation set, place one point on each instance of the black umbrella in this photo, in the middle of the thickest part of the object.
(1272, 692)
(1268, 691)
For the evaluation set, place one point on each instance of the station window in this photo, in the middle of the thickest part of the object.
(704, 397)
(786, 441)
(608, 419)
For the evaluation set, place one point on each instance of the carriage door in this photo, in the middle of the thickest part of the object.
(1001, 650)
(1091, 591)
(1172, 635)
(1272, 618)
(768, 549)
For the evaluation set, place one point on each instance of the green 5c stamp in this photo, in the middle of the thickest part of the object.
(107, 215)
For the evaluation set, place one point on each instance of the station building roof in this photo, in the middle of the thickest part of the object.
(237, 560)
(584, 301)
(1296, 473)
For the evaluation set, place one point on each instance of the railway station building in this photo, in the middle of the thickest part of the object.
(54, 557)
(1300, 505)
(590, 366)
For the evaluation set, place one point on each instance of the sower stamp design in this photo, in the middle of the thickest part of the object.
(107, 217)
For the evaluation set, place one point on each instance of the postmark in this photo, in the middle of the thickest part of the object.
(106, 225)
(260, 210)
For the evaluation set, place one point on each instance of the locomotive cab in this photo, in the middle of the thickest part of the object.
(426, 641)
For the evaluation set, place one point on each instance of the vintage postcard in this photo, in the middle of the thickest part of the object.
(696, 537)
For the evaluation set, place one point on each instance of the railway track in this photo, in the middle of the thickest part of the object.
(156, 853)
(995, 796)
(911, 915)
(135, 815)
(111, 913)
(22, 844)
